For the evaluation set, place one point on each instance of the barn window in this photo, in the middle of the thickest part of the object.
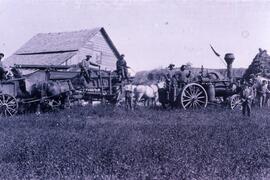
(98, 57)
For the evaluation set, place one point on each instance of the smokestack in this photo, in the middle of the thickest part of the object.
(229, 58)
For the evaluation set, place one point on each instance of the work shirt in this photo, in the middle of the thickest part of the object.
(128, 87)
(2, 65)
(264, 89)
(121, 63)
(247, 93)
(183, 76)
(85, 64)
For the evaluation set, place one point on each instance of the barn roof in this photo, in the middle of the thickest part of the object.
(54, 48)
(55, 42)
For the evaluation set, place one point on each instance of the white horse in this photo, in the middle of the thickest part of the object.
(148, 92)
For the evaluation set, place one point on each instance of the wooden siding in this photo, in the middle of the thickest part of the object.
(100, 51)
(108, 59)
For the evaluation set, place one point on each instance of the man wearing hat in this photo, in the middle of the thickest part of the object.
(86, 65)
(246, 98)
(2, 68)
(121, 67)
(183, 76)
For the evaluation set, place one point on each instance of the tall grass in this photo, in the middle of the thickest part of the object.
(149, 143)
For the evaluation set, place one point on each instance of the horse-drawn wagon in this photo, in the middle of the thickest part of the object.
(55, 86)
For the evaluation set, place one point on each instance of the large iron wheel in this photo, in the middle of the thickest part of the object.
(193, 96)
(235, 102)
(8, 105)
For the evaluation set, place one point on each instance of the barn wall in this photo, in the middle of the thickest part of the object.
(101, 53)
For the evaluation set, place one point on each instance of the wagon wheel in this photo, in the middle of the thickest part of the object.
(235, 102)
(53, 104)
(193, 96)
(8, 105)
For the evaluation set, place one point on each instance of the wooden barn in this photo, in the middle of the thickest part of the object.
(67, 48)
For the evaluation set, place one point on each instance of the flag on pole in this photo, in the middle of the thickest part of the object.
(218, 55)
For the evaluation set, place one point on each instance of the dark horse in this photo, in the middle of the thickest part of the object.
(45, 95)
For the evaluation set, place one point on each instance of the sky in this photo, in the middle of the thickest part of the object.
(151, 33)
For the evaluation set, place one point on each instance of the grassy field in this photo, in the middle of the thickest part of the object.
(110, 143)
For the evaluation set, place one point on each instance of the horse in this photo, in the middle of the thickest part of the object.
(148, 92)
(48, 94)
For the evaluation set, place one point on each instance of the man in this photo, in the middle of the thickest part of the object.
(121, 67)
(2, 68)
(86, 66)
(183, 76)
(246, 98)
(128, 89)
(262, 93)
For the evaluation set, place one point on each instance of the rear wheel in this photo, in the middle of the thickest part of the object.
(193, 96)
(8, 105)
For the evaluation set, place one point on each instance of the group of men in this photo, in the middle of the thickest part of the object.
(178, 78)
(252, 92)
(121, 66)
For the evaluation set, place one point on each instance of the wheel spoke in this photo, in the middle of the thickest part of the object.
(186, 96)
(7, 99)
(188, 93)
(188, 103)
(199, 93)
(185, 100)
(197, 90)
(197, 104)
(8, 112)
(190, 90)
(12, 109)
(3, 97)
(200, 101)
(201, 97)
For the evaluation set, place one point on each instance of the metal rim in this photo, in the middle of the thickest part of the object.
(193, 96)
(8, 105)
(235, 102)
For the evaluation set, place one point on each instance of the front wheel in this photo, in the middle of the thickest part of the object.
(193, 96)
(8, 105)
(235, 102)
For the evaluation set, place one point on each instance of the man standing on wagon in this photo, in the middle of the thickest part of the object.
(121, 67)
(86, 64)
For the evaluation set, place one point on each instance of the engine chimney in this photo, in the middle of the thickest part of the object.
(229, 58)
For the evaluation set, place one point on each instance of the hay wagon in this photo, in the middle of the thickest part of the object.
(102, 86)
